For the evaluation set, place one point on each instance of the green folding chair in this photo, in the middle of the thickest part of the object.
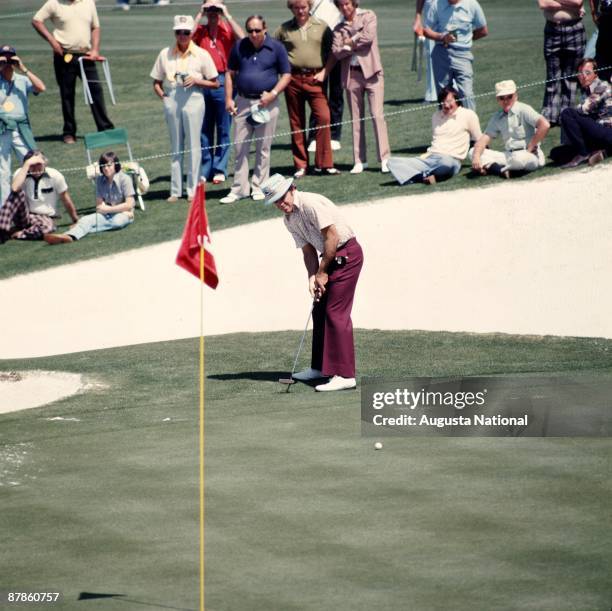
(108, 140)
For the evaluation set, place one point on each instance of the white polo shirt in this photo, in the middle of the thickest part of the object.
(42, 194)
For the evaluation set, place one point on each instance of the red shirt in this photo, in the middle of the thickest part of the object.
(220, 47)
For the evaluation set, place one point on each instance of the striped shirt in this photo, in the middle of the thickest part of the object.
(597, 102)
(312, 213)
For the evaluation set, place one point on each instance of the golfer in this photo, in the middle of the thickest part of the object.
(319, 229)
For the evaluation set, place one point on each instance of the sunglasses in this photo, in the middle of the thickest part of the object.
(254, 30)
(505, 98)
(182, 32)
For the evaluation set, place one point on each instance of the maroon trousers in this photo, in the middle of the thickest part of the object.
(333, 349)
(303, 88)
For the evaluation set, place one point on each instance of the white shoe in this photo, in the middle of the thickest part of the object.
(299, 173)
(308, 374)
(337, 383)
(218, 178)
(257, 196)
(312, 147)
(163, 3)
(230, 198)
(384, 166)
(335, 145)
(124, 7)
(358, 168)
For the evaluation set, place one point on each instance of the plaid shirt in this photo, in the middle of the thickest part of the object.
(597, 102)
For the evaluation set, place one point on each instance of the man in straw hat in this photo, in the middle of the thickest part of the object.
(333, 260)
(521, 128)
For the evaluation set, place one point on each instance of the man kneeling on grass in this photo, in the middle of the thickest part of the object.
(521, 128)
(114, 203)
(31, 208)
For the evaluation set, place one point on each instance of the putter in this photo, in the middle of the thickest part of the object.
(289, 381)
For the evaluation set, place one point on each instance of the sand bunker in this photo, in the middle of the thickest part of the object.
(28, 389)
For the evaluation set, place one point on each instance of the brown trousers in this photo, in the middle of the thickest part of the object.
(303, 88)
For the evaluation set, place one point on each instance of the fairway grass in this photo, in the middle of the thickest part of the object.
(301, 512)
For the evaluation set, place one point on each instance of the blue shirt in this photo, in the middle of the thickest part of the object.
(460, 19)
(116, 191)
(20, 87)
(258, 69)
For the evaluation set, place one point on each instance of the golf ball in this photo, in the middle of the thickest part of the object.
(378, 445)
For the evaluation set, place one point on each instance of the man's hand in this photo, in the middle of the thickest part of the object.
(417, 25)
(57, 48)
(34, 159)
(477, 165)
(320, 76)
(104, 209)
(321, 279)
(267, 97)
(231, 108)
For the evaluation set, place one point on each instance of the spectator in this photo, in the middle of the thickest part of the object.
(259, 71)
(453, 127)
(32, 205)
(15, 130)
(420, 20)
(333, 259)
(308, 42)
(601, 10)
(76, 35)
(356, 47)
(522, 129)
(587, 129)
(454, 25)
(564, 44)
(217, 37)
(327, 11)
(114, 204)
(179, 76)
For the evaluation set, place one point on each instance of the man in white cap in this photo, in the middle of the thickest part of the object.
(319, 229)
(522, 129)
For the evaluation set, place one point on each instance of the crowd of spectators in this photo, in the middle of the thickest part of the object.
(215, 74)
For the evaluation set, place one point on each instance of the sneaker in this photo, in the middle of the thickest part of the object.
(335, 145)
(312, 147)
(337, 383)
(575, 162)
(57, 238)
(299, 173)
(327, 171)
(69, 140)
(257, 196)
(597, 157)
(218, 178)
(384, 166)
(308, 374)
(230, 198)
(358, 168)
(172, 199)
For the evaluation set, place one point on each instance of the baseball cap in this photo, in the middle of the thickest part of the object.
(183, 22)
(275, 187)
(505, 88)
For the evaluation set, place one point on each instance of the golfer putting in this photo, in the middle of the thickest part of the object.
(333, 260)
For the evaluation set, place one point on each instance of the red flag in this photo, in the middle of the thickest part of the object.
(194, 235)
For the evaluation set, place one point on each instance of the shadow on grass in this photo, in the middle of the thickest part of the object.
(406, 101)
(122, 598)
(257, 376)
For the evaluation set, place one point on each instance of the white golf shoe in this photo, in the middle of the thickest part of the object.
(337, 383)
(230, 198)
(312, 147)
(358, 168)
(308, 374)
(384, 166)
(335, 145)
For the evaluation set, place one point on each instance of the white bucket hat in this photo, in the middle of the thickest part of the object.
(275, 187)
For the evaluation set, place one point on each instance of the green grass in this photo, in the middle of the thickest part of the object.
(131, 42)
(301, 512)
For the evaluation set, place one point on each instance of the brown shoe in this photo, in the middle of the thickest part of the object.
(69, 140)
(429, 180)
(597, 157)
(57, 238)
(172, 199)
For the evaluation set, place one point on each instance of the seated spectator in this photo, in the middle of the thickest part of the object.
(521, 128)
(114, 204)
(15, 131)
(32, 205)
(587, 129)
(453, 127)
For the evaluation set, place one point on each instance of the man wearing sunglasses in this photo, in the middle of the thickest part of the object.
(521, 128)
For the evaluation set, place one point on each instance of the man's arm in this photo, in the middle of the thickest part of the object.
(238, 31)
(69, 206)
(40, 27)
(594, 4)
(94, 53)
(479, 147)
(417, 24)
(126, 206)
(480, 32)
(330, 245)
(311, 261)
(542, 127)
(39, 86)
(22, 172)
(230, 105)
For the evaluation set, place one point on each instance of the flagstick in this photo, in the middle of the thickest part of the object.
(202, 426)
